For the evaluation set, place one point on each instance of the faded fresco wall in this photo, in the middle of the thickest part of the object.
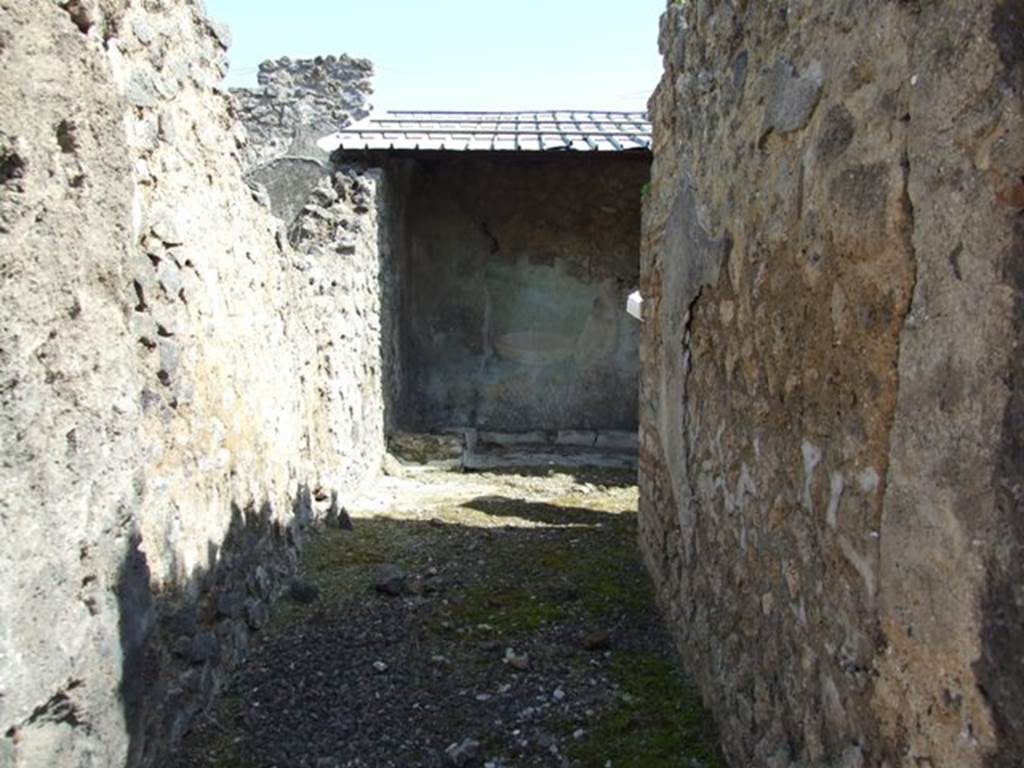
(516, 271)
(830, 464)
(184, 384)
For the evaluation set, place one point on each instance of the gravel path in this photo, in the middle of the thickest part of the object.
(481, 619)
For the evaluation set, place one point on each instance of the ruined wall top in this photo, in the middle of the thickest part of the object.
(298, 101)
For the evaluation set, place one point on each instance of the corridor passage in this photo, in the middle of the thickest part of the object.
(466, 619)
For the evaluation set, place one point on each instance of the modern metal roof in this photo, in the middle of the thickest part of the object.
(543, 131)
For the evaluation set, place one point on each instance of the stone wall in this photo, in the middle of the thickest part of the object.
(300, 101)
(515, 273)
(830, 415)
(184, 384)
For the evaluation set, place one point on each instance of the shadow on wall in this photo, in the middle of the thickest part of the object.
(391, 235)
(1000, 670)
(178, 645)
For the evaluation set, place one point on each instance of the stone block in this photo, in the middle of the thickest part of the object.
(622, 441)
(580, 438)
(534, 437)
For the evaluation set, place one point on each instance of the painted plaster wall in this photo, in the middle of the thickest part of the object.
(516, 272)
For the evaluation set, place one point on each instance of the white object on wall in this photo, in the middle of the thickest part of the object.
(635, 305)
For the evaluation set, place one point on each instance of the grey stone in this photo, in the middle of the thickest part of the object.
(533, 437)
(260, 583)
(337, 517)
(205, 647)
(625, 441)
(519, 661)
(170, 360)
(182, 647)
(168, 87)
(168, 130)
(303, 592)
(791, 99)
(141, 91)
(142, 29)
(166, 228)
(221, 31)
(598, 640)
(289, 182)
(230, 604)
(169, 277)
(390, 580)
(464, 752)
(837, 132)
(576, 437)
(256, 613)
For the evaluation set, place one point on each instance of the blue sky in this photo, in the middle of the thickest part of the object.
(458, 54)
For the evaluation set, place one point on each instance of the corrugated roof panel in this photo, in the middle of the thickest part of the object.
(594, 131)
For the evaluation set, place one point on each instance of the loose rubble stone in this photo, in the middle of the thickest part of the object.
(256, 613)
(204, 647)
(516, 661)
(303, 592)
(230, 604)
(597, 641)
(390, 580)
(463, 753)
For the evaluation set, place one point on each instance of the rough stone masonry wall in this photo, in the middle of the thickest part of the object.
(300, 101)
(181, 389)
(831, 398)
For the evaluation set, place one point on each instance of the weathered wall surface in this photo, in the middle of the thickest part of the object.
(300, 101)
(830, 462)
(175, 400)
(516, 272)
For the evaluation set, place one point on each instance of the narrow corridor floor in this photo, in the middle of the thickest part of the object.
(482, 619)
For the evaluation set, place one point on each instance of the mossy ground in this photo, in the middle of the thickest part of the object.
(533, 564)
(663, 724)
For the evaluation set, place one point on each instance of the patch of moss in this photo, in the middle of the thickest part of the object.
(662, 724)
(509, 610)
(217, 744)
(341, 564)
(605, 567)
(540, 578)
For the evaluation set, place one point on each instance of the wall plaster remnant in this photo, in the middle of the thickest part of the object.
(515, 269)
